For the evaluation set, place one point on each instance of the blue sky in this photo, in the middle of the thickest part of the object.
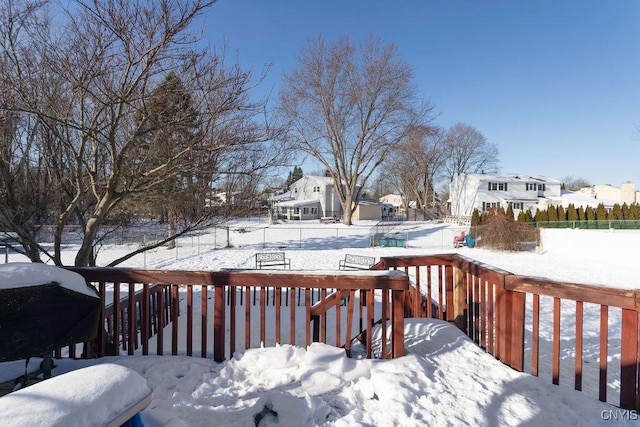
(554, 84)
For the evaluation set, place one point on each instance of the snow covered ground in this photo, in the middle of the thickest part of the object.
(444, 379)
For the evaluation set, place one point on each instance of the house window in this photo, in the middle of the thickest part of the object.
(497, 186)
(490, 205)
(516, 205)
(535, 187)
(305, 211)
(316, 189)
(295, 189)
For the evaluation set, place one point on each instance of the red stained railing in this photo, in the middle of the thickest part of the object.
(237, 310)
(499, 311)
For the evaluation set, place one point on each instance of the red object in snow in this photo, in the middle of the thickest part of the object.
(459, 240)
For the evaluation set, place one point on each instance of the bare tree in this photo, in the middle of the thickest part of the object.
(469, 151)
(348, 107)
(92, 86)
(415, 166)
(571, 183)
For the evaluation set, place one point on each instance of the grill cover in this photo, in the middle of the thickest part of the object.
(37, 319)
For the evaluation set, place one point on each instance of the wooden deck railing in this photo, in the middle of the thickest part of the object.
(501, 313)
(116, 314)
(231, 309)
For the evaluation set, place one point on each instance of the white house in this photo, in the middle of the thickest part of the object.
(310, 197)
(314, 197)
(396, 201)
(626, 193)
(486, 191)
(606, 195)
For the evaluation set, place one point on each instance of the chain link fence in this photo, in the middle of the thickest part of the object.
(256, 236)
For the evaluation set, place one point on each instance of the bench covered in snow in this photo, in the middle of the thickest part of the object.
(100, 395)
(356, 262)
(272, 259)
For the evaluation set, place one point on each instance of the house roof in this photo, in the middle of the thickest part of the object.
(372, 202)
(280, 197)
(513, 177)
(323, 179)
(579, 198)
(298, 203)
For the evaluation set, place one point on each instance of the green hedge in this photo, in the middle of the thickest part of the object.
(632, 224)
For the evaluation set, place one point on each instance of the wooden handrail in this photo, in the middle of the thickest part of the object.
(487, 303)
(226, 284)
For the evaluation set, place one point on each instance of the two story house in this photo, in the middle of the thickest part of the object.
(486, 191)
(310, 197)
(315, 197)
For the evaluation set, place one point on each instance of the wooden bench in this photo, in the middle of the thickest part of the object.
(356, 262)
(272, 259)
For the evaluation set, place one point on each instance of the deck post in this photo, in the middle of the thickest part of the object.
(629, 360)
(459, 306)
(218, 324)
(517, 303)
(397, 339)
(449, 292)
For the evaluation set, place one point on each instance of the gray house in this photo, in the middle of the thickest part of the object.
(310, 197)
(315, 197)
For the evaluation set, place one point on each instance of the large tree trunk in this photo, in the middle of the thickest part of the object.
(171, 229)
(85, 255)
(347, 210)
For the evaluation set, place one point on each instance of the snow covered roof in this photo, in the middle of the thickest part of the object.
(281, 197)
(579, 198)
(327, 180)
(513, 177)
(322, 179)
(297, 203)
(372, 202)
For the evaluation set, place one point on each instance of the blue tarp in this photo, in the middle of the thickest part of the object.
(468, 240)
